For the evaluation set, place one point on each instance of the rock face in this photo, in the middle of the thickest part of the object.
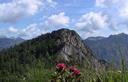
(71, 46)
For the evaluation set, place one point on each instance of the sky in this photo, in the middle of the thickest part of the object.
(89, 18)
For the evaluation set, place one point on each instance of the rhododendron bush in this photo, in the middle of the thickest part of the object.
(66, 74)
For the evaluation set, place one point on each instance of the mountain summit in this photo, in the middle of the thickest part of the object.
(65, 46)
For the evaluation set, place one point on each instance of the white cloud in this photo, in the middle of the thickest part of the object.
(121, 7)
(52, 3)
(124, 10)
(33, 30)
(106, 3)
(9, 32)
(116, 10)
(100, 3)
(58, 19)
(12, 29)
(91, 22)
(16, 9)
(30, 31)
(112, 19)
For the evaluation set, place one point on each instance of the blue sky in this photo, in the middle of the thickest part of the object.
(30, 18)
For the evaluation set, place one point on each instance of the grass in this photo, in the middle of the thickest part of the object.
(39, 73)
(88, 75)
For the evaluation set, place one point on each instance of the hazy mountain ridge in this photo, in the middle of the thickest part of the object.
(110, 48)
(6, 42)
(95, 38)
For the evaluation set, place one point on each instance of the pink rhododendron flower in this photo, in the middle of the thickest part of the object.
(71, 74)
(77, 72)
(72, 68)
(60, 66)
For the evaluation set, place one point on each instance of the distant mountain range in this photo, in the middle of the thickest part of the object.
(6, 42)
(111, 49)
(95, 38)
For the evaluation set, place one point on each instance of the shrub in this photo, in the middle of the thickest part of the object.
(66, 74)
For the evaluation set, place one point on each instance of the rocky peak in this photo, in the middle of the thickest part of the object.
(69, 37)
(69, 47)
(72, 44)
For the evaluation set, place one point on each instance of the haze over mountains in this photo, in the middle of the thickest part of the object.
(104, 48)
(6, 42)
(109, 48)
